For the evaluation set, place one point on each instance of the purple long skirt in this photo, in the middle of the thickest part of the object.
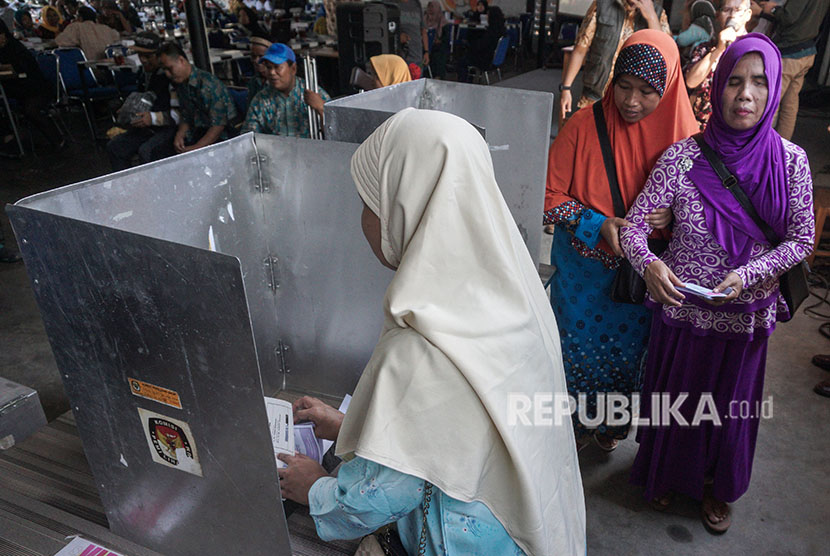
(680, 458)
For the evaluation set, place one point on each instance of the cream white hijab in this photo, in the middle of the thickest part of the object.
(467, 322)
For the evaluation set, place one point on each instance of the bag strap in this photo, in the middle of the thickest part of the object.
(608, 159)
(730, 182)
(422, 542)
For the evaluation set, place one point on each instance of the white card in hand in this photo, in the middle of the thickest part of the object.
(700, 291)
(281, 423)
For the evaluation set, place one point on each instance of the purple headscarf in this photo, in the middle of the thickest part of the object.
(754, 156)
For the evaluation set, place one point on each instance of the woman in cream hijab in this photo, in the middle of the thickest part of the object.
(467, 329)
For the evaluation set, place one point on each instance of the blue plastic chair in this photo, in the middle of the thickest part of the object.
(499, 56)
(240, 99)
(79, 84)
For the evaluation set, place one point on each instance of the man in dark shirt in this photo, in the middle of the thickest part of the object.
(207, 109)
(797, 24)
(131, 14)
(151, 133)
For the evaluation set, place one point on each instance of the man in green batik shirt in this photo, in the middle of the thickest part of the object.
(259, 46)
(281, 108)
(207, 110)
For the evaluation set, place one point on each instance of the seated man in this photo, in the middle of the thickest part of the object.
(207, 110)
(151, 134)
(93, 38)
(259, 46)
(281, 108)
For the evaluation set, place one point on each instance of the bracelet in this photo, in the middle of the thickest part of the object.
(563, 87)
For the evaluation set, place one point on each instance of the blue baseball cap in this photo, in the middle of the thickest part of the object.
(278, 53)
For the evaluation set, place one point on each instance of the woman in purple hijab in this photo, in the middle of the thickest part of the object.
(704, 377)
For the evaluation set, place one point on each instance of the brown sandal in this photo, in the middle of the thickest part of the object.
(714, 527)
(662, 503)
(607, 444)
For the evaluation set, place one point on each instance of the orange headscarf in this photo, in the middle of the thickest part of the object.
(575, 167)
(390, 69)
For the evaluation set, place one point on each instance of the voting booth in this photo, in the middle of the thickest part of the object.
(176, 294)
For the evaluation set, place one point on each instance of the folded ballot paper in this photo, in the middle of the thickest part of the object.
(81, 547)
(289, 438)
(700, 291)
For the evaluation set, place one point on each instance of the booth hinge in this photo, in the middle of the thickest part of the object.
(271, 273)
(282, 348)
(261, 185)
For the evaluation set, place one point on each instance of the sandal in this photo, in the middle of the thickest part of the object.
(607, 444)
(714, 526)
(661, 503)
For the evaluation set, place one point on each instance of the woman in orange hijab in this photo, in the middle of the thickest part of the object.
(388, 69)
(645, 110)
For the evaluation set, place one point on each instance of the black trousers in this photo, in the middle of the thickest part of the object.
(149, 144)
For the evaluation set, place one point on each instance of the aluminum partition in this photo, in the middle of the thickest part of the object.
(174, 295)
(516, 125)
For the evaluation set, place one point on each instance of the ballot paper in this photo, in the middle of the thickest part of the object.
(80, 547)
(289, 438)
(700, 291)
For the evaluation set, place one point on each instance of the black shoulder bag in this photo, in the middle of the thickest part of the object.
(628, 285)
(793, 283)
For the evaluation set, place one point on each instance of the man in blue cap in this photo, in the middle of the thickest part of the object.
(281, 108)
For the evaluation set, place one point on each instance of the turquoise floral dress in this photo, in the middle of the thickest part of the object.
(366, 496)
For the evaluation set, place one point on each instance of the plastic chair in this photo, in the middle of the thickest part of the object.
(126, 80)
(79, 83)
(239, 96)
(499, 57)
(48, 63)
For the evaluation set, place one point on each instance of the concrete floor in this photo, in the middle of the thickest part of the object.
(787, 508)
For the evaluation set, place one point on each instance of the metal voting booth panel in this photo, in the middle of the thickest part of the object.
(516, 125)
(174, 295)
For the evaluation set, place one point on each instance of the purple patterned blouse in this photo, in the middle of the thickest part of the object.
(695, 256)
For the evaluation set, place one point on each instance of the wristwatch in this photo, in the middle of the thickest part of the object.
(563, 87)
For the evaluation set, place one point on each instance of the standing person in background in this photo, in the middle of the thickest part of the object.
(797, 24)
(702, 26)
(646, 110)
(438, 38)
(730, 22)
(607, 25)
(414, 42)
(207, 109)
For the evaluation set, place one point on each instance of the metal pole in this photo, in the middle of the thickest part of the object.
(198, 34)
(168, 15)
(540, 43)
(318, 124)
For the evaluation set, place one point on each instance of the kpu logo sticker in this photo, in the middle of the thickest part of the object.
(170, 441)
